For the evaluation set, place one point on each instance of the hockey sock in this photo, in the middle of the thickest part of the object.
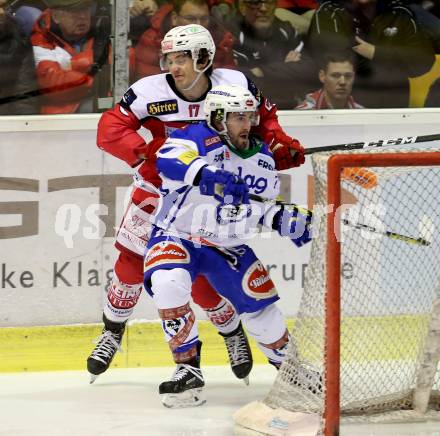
(121, 300)
(276, 351)
(180, 332)
(223, 316)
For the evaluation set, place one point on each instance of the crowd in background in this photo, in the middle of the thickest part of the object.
(56, 55)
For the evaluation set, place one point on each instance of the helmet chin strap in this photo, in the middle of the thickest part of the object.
(199, 75)
(227, 140)
(225, 137)
(194, 81)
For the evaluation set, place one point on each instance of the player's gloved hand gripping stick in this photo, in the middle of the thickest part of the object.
(224, 186)
(293, 222)
(304, 216)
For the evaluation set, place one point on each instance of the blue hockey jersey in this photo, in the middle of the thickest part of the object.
(186, 213)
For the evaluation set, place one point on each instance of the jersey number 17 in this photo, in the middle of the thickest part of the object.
(193, 110)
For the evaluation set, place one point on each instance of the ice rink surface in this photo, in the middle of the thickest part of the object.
(125, 402)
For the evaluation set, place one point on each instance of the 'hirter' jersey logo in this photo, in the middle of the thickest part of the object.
(163, 107)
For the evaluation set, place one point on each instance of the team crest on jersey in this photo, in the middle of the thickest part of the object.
(212, 140)
(257, 283)
(165, 252)
(229, 213)
(129, 97)
(164, 107)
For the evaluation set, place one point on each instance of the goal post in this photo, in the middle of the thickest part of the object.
(365, 343)
(335, 166)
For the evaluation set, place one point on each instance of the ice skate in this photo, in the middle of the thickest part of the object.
(239, 352)
(186, 385)
(106, 346)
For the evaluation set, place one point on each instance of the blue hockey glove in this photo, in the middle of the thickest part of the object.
(224, 186)
(294, 223)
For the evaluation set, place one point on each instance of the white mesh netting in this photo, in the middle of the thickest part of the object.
(388, 290)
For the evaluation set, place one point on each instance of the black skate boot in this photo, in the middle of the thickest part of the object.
(186, 385)
(106, 346)
(239, 352)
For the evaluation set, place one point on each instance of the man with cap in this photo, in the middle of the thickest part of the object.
(69, 52)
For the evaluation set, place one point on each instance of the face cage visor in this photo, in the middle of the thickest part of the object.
(220, 116)
(194, 54)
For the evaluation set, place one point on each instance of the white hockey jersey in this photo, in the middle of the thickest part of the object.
(154, 103)
(156, 98)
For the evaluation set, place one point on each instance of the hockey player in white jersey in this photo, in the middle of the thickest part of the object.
(202, 224)
(162, 104)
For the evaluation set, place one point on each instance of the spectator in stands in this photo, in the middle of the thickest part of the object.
(433, 99)
(298, 12)
(435, 8)
(71, 56)
(18, 85)
(432, 6)
(141, 12)
(297, 6)
(26, 16)
(268, 50)
(181, 13)
(337, 77)
(427, 15)
(388, 43)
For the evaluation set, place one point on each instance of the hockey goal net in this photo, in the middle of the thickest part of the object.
(366, 340)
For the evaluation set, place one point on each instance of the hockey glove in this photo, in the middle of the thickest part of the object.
(287, 152)
(224, 186)
(294, 224)
(148, 151)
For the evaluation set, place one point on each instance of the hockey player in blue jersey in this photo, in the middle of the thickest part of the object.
(161, 104)
(203, 221)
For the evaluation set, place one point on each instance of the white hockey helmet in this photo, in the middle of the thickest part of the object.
(224, 99)
(193, 38)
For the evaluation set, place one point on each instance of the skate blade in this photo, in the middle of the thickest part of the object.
(246, 380)
(189, 398)
(93, 377)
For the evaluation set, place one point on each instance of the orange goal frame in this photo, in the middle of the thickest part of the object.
(335, 165)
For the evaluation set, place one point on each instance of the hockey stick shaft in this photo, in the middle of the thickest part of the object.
(293, 206)
(359, 226)
(388, 234)
(379, 143)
